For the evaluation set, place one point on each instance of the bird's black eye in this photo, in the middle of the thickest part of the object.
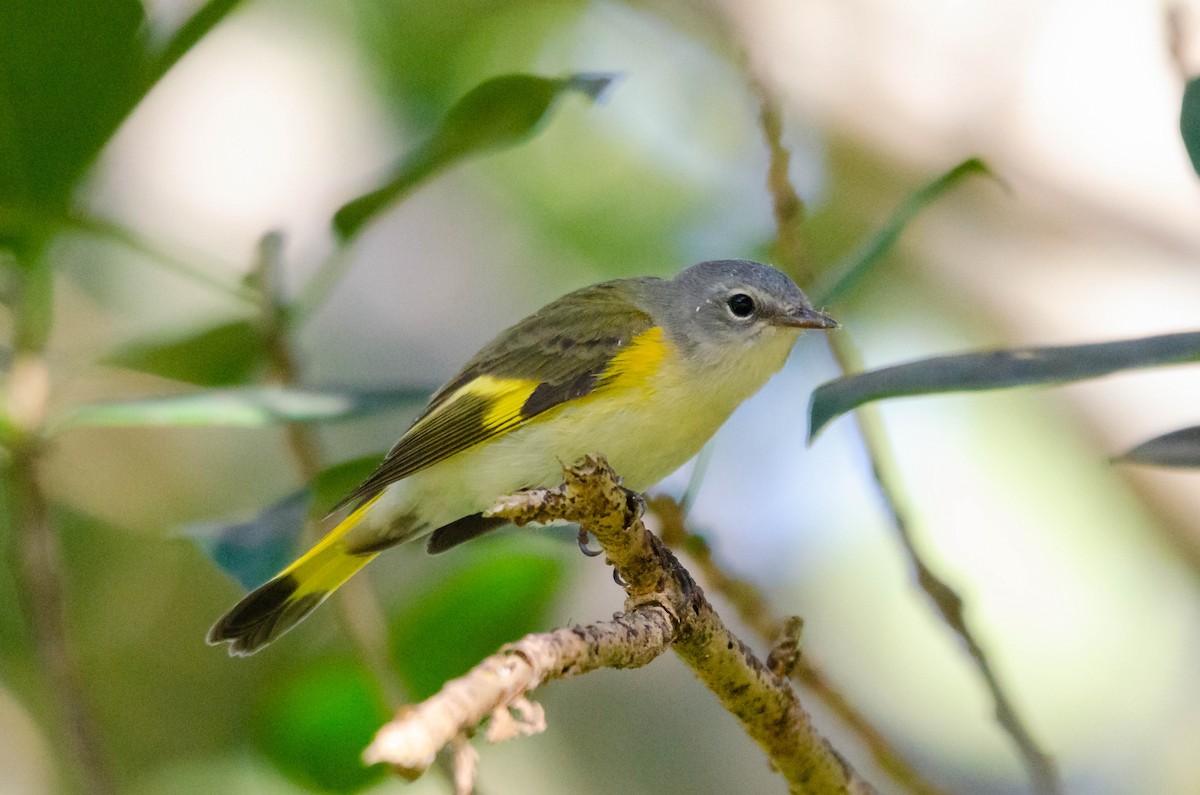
(741, 305)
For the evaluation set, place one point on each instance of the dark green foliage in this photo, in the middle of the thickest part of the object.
(500, 594)
(70, 71)
(1189, 121)
(1179, 448)
(224, 355)
(996, 370)
(315, 723)
(499, 112)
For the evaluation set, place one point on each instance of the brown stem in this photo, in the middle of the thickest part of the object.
(787, 204)
(39, 572)
(358, 610)
(756, 612)
(1040, 765)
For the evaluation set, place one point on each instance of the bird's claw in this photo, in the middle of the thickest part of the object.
(582, 539)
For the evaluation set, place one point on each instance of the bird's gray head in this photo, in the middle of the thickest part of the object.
(733, 304)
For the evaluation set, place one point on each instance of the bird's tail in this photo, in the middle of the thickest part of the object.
(281, 603)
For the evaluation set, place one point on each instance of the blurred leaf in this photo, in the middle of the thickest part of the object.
(332, 485)
(255, 550)
(1189, 121)
(224, 355)
(315, 723)
(494, 599)
(197, 27)
(996, 370)
(240, 407)
(70, 71)
(1179, 448)
(498, 112)
(855, 267)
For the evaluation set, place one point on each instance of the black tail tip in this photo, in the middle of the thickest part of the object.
(262, 616)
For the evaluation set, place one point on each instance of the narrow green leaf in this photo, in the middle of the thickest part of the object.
(1179, 448)
(332, 485)
(851, 271)
(18, 221)
(249, 407)
(70, 71)
(314, 724)
(997, 370)
(197, 27)
(498, 112)
(224, 355)
(501, 593)
(1189, 121)
(254, 550)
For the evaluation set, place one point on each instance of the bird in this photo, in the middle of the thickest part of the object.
(640, 370)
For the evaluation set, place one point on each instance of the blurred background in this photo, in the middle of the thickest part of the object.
(1080, 577)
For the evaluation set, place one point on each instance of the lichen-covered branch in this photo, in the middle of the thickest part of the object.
(500, 683)
(756, 613)
(664, 608)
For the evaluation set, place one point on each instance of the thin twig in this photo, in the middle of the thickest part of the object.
(664, 608)
(113, 232)
(359, 611)
(39, 572)
(787, 204)
(949, 604)
(1039, 764)
(755, 612)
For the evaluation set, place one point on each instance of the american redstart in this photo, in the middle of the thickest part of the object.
(641, 370)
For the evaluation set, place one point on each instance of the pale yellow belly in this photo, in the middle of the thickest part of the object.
(646, 433)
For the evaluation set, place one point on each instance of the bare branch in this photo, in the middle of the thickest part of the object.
(1040, 765)
(664, 608)
(38, 567)
(787, 204)
(790, 248)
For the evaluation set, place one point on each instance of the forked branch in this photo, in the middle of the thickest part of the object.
(664, 608)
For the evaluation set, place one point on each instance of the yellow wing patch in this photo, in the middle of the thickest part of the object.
(488, 406)
(638, 362)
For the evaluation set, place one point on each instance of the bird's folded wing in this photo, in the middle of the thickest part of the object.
(572, 347)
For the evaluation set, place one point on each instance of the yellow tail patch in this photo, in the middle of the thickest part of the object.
(278, 605)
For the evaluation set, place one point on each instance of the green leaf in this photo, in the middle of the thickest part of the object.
(1189, 121)
(332, 485)
(1179, 448)
(501, 594)
(851, 271)
(248, 407)
(197, 27)
(997, 370)
(255, 550)
(70, 71)
(315, 723)
(498, 112)
(224, 355)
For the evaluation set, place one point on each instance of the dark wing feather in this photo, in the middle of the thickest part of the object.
(553, 356)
